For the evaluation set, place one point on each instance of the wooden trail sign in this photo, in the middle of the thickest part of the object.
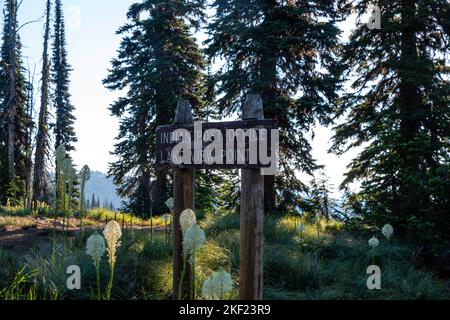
(232, 136)
(187, 145)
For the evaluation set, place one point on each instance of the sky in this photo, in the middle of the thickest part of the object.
(92, 44)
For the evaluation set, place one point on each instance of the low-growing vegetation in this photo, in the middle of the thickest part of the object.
(302, 260)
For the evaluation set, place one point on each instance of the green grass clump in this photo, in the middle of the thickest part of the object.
(15, 211)
(108, 215)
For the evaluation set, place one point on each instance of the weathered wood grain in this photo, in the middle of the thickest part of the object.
(183, 198)
(252, 219)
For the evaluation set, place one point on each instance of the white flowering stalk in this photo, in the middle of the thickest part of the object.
(169, 204)
(193, 239)
(208, 290)
(112, 233)
(388, 231)
(95, 247)
(373, 243)
(301, 229)
(217, 285)
(187, 219)
(167, 219)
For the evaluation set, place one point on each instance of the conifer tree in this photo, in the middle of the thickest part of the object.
(41, 179)
(93, 202)
(158, 63)
(14, 120)
(284, 51)
(320, 201)
(64, 127)
(398, 112)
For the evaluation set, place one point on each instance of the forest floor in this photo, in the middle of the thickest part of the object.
(23, 233)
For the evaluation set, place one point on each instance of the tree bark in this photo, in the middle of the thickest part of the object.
(40, 182)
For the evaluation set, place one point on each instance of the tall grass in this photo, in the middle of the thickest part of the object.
(328, 265)
(108, 215)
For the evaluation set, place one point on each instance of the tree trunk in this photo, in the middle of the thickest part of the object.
(268, 91)
(409, 113)
(40, 183)
(12, 97)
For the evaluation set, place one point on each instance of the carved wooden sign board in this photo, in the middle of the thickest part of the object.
(238, 144)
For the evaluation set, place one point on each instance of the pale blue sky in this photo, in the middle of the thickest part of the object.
(92, 43)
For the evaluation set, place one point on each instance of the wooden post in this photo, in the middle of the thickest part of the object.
(252, 218)
(183, 198)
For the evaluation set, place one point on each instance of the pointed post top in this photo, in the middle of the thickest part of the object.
(253, 107)
(183, 113)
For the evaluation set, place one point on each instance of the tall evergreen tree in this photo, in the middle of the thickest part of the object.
(60, 73)
(64, 127)
(41, 190)
(13, 114)
(283, 50)
(320, 201)
(399, 112)
(158, 63)
(93, 202)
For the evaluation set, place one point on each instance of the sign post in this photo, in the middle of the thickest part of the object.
(250, 145)
(252, 219)
(183, 198)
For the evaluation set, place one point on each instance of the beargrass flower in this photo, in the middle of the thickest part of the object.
(219, 284)
(112, 233)
(387, 231)
(208, 289)
(95, 247)
(187, 219)
(193, 239)
(169, 203)
(373, 242)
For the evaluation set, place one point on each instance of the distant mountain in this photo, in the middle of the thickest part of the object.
(103, 188)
